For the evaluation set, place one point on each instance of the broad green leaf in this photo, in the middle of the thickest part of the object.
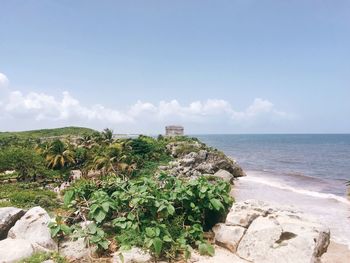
(100, 216)
(150, 232)
(171, 209)
(105, 206)
(66, 229)
(68, 197)
(216, 203)
(158, 245)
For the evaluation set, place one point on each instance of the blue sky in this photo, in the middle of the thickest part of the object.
(235, 66)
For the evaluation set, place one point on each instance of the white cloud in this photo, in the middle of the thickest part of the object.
(44, 108)
(3, 81)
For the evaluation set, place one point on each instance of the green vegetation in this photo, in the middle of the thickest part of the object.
(26, 195)
(130, 202)
(164, 215)
(44, 133)
(39, 257)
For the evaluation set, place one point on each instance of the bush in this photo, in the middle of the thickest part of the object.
(165, 215)
(26, 195)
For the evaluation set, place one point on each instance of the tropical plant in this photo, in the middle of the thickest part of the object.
(59, 155)
(164, 215)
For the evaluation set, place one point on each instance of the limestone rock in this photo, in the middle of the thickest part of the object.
(74, 250)
(13, 250)
(228, 236)
(33, 227)
(242, 214)
(134, 255)
(273, 234)
(259, 239)
(225, 175)
(8, 217)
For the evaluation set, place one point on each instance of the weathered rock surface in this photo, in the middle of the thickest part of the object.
(13, 250)
(33, 227)
(195, 159)
(228, 236)
(75, 250)
(272, 234)
(225, 175)
(8, 217)
(134, 255)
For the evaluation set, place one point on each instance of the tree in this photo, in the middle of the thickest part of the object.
(107, 136)
(60, 155)
(27, 163)
(110, 159)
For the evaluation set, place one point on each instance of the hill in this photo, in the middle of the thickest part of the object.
(44, 133)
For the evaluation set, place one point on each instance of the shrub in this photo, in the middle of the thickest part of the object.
(165, 215)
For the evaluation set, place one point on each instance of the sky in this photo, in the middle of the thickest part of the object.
(223, 66)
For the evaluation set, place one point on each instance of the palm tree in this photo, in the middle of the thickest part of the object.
(107, 136)
(60, 155)
(110, 159)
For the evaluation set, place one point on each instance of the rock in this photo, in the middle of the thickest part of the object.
(206, 168)
(228, 236)
(135, 255)
(188, 161)
(202, 156)
(48, 261)
(75, 175)
(13, 250)
(272, 234)
(74, 250)
(33, 227)
(225, 175)
(242, 214)
(260, 238)
(8, 217)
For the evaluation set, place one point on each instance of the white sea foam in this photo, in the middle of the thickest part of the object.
(270, 182)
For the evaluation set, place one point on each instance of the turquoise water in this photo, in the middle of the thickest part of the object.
(307, 172)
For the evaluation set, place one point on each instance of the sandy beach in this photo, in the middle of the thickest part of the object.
(332, 212)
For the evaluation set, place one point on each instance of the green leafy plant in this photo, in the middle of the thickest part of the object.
(164, 215)
(58, 228)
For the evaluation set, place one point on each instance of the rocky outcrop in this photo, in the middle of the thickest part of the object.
(8, 217)
(75, 250)
(13, 250)
(33, 227)
(134, 255)
(261, 233)
(194, 159)
(28, 234)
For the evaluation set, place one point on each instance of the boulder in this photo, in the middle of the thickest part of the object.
(228, 236)
(225, 175)
(13, 250)
(33, 227)
(260, 238)
(134, 255)
(8, 217)
(272, 234)
(74, 250)
(243, 214)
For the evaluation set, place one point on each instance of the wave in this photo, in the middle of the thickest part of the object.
(282, 186)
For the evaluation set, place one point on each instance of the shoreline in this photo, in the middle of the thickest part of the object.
(330, 210)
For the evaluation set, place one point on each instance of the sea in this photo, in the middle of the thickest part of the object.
(306, 171)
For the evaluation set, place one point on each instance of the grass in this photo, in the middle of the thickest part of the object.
(35, 134)
(26, 195)
(39, 257)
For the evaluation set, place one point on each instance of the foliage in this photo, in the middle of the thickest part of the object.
(44, 133)
(40, 257)
(27, 163)
(26, 195)
(59, 155)
(165, 215)
(58, 228)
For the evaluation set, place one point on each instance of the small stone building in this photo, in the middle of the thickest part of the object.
(174, 130)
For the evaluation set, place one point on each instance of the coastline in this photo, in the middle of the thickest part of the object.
(331, 210)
